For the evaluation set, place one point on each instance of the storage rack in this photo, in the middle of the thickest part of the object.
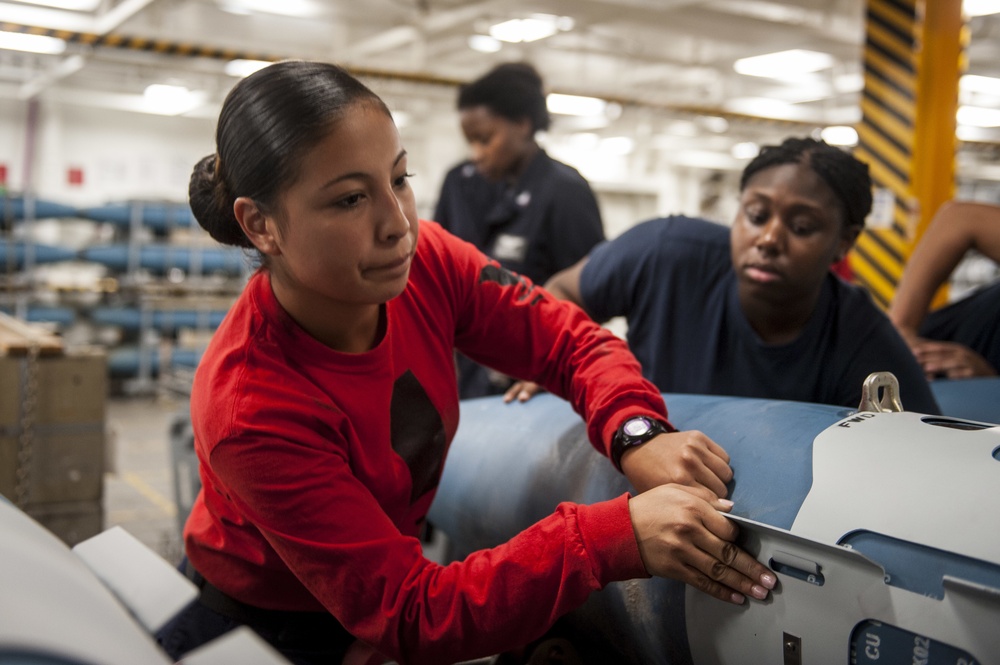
(166, 287)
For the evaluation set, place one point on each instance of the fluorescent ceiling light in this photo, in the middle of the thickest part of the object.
(171, 99)
(983, 84)
(765, 107)
(981, 7)
(584, 140)
(18, 41)
(244, 68)
(978, 116)
(714, 123)
(617, 145)
(685, 128)
(849, 82)
(484, 44)
(295, 8)
(784, 64)
(840, 135)
(75, 5)
(533, 28)
(575, 105)
(745, 150)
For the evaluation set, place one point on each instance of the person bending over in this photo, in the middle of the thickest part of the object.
(962, 339)
(325, 404)
(753, 310)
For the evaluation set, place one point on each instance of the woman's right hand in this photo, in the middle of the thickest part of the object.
(682, 535)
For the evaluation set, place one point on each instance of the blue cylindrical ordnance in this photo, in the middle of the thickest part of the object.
(15, 254)
(159, 259)
(814, 486)
(159, 216)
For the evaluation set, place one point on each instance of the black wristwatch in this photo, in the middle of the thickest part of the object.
(634, 432)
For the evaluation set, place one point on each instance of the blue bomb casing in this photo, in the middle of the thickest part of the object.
(881, 526)
(21, 207)
(159, 259)
(159, 216)
(14, 255)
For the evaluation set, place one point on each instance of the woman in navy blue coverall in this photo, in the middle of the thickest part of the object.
(531, 213)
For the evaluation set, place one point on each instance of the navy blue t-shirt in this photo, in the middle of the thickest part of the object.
(973, 320)
(546, 223)
(672, 278)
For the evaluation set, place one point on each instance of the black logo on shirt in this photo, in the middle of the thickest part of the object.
(417, 434)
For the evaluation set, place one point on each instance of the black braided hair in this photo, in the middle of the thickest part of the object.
(845, 174)
(513, 90)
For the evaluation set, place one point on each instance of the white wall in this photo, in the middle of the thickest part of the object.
(121, 155)
(126, 155)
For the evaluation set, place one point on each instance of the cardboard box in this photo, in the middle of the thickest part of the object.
(71, 522)
(66, 464)
(71, 388)
(67, 427)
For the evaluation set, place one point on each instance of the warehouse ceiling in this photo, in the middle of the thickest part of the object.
(666, 65)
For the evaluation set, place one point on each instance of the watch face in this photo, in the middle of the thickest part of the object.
(637, 426)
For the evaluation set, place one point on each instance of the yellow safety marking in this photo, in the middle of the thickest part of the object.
(889, 69)
(885, 151)
(144, 488)
(887, 100)
(880, 173)
(874, 244)
(865, 274)
(889, 42)
(894, 15)
(887, 123)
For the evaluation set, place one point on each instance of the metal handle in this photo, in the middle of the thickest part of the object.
(886, 381)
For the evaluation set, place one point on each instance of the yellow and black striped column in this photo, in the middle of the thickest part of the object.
(912, 60)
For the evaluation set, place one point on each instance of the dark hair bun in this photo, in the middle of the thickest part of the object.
(212, 205)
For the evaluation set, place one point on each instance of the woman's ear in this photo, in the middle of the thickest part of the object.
(257, 226)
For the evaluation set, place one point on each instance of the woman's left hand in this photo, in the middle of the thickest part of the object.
(950, 360)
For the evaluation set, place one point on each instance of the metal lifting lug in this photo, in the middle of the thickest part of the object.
(883, 383)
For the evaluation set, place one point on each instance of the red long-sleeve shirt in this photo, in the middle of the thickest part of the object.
(318, 467)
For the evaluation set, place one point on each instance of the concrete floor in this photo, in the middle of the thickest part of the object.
(138, 483)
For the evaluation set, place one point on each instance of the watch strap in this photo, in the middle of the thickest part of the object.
(623, 441)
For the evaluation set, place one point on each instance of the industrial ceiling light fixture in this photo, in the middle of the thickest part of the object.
(293, 8)
(531, 29)
(841, 135)
(575, 105)
(744, 150)
(981, 7)
(72, 5)
(485, 43)
(19, 41)
(244, 68)
(978, 116)
(986, 85)
(164, 99)
(784, 64)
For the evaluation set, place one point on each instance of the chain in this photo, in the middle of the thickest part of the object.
(26, 440)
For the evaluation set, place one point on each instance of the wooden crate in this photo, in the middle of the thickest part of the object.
(65, 468)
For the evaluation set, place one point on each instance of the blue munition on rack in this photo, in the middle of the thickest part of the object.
(159, 259)
(159, 216)
(19, 207)
(164, 320)
(14, 254)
